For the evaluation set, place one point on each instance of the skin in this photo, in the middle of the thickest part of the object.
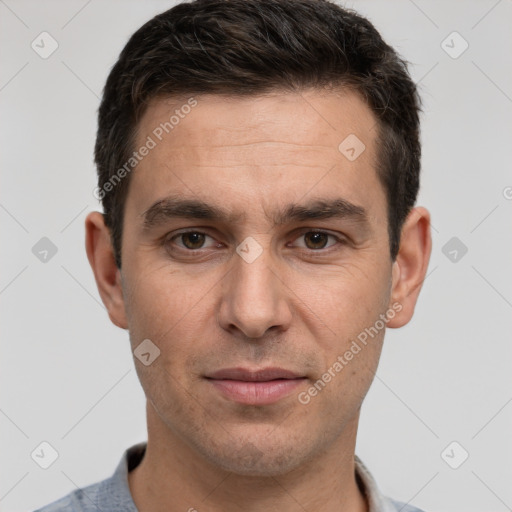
(297, 306)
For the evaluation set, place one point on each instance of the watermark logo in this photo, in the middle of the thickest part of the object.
(454, 455)
(44, 455)
(454, 45)
(44, 45)
(454, 249)
(147, 352)
(44, 250)
(249, 249)
(351, 147)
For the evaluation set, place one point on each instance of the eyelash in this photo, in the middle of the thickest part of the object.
(339, 241)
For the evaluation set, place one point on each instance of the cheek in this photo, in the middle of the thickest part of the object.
(349, 303)
(346, 299)
(163, 311)
(348, 373)
(161, 301)
(175, 313)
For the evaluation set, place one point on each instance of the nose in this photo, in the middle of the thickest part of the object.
(255, 298)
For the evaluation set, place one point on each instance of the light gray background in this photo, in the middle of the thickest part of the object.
(66, 373)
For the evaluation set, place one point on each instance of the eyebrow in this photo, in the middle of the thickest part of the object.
(176, 207)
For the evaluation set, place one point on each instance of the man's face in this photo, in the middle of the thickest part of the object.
(297, 306)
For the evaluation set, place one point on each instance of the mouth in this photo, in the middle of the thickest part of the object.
(255, 387)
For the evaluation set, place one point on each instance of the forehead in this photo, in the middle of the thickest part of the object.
(317, 117)
(260, 148)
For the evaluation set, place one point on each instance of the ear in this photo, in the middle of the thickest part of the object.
(410, 267)
(108, 277)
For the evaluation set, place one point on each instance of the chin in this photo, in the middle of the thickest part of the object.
(257, 461)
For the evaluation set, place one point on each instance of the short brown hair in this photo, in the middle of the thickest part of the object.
(249, 47)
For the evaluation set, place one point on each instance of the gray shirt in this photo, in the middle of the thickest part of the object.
(113, 494)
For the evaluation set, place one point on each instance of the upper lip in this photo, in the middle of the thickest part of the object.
(262, 375)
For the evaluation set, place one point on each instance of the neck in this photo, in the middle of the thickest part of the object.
(174, 477)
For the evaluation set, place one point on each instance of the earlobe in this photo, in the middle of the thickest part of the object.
(106, 273)
(410, 266)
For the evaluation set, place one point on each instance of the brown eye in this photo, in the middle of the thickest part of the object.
(316, 240)
(190, 243)
(192, 240)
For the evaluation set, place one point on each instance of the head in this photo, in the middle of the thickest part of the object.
(283, 136)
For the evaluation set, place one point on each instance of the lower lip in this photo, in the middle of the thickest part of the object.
(256, 393)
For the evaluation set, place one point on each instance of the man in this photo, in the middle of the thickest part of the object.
(258, 166)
